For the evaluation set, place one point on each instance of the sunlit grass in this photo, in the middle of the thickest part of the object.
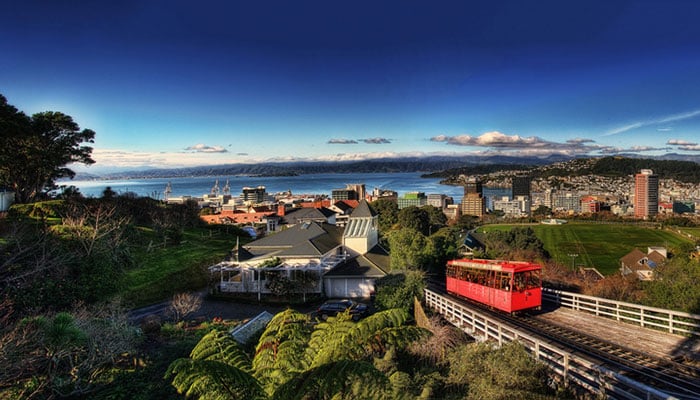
(162, 271)
(597, 245)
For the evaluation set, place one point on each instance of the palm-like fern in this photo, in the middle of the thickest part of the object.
(340, 339)
(217, 369)
(293, 362)
(338, 380)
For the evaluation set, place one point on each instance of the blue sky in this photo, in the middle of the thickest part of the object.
(174, 83)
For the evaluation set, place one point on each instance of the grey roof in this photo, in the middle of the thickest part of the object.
(345, 207)
(307, 239)
(298, 215)
(363, 266)
(363, 210)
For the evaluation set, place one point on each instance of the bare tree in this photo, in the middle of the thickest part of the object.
(184, 304)
(435, 347)
(27, 252)
(92, 223)
(65, 354)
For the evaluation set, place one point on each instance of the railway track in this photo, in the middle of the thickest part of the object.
(677, 379)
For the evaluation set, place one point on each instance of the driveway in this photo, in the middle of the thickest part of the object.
(211, 308)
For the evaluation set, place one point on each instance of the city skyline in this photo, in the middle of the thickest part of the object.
(171, 85)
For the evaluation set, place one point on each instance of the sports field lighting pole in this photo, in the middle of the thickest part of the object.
(573, 261)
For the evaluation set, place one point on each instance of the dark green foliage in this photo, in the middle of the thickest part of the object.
(677, 286)
(397, 290)
(684, 171)
(409, 249)
(542, 211)
(517, 243)
(436, 218)
(297, 360)
(445, 242)
(344, 379)
(65, 354)
(36, 150)
(415, 218)
(508, 372)
(387, 214)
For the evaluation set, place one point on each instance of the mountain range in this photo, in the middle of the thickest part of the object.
(428, 164)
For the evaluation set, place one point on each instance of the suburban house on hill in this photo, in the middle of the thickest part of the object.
(311, 257)
(641, 264)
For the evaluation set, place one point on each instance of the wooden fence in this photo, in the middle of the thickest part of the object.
(570, 367)
(675, 322)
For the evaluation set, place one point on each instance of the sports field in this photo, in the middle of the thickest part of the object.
(596, 245)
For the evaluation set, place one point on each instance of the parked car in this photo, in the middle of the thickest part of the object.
(331, 308)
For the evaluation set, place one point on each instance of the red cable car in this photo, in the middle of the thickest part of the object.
(508, 286)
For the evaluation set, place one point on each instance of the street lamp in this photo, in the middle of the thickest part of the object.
(573, 260)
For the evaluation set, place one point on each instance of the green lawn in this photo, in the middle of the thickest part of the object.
(695, 232)
(597, 245)
(164, 271)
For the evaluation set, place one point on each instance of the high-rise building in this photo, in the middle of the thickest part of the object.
(473, 202)
(437, 200)
(254, 195)
(521, 186)
(351, 192)
(646, 194)
(473, 185)
(417, 199)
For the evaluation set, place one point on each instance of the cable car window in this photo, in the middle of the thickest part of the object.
(533, 280)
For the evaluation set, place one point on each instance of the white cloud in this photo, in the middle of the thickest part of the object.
(662, 120)
(342, 141)
(491, 139)
(516, 145)
(377, 140)
(680, 142)
(202, 148)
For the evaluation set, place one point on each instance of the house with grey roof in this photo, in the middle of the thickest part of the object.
(311, 257)
(300, 215)
(642, 265)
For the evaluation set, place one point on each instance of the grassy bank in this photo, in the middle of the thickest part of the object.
(162, 271)
(597, 245)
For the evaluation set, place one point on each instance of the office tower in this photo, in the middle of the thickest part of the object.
(473, 202)
(646, 194)
(521, 186)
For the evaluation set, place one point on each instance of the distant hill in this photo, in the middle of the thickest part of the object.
(683, 171)
(445, 167)
(403, 164)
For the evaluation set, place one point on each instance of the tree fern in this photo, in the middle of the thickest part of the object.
(339, 339)
(280, 349)
(339, 380)
(213, 380)
(220, 346)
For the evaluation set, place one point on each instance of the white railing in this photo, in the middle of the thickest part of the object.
(675, 322)
(570, 367)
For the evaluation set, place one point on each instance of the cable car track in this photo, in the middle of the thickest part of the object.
(675, 378)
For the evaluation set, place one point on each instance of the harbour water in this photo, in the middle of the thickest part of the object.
(303, 184)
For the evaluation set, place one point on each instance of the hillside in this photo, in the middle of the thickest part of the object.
(682, 171)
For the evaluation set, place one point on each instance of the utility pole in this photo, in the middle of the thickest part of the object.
(573, 260)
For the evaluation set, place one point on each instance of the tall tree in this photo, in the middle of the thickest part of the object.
(37, 150)
(387, 212)
(415, 218)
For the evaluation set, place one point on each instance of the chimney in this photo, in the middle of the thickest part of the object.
(281, 209)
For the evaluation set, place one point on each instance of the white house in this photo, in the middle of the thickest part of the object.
(316, 257)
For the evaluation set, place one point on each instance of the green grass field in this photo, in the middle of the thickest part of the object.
(695, 232)
(164, 271)
(597, 245)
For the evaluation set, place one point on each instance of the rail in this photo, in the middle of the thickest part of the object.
(571, 367)
(675, 322)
